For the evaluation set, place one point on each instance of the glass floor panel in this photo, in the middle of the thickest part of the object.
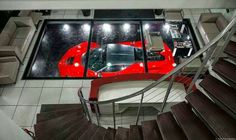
(73, 49)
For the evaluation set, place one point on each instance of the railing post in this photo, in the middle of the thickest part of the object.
(84, 106)
(168, 91)
(97, 113)
(87, 112)
(114, 114)
(139, 108)
(199, 71)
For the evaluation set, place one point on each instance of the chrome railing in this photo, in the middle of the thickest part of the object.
(209, 49)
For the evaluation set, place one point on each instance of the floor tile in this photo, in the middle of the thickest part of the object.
(10, 96)
(23, 66)
(31, 48)
(196, 18)
(70, 16)
(108, 119)
(56, 16)
(8, 110)
(86, 92)
(87, 83)
(197, 11)
(53, 83)
(35, 116)
(29, 52)
(50, 96)
(34, 83)
(24, 115)
(30, 96)
(69, 95)
(57, 12)
(129, 120)
(187, 12)
(71, 12)
(72, 83)
(1, 90)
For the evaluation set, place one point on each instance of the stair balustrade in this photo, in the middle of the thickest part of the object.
(206, 54)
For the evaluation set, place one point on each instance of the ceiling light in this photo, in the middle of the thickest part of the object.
(76, 64)
(126, 27)
(86, 27)
(66, 27)
(108, 64)
(106, 27)
(146, 26)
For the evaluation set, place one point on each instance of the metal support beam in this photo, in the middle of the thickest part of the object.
(139, 108)
(97, 114)
(168, 91)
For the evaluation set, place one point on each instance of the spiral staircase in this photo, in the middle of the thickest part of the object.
(207, 114)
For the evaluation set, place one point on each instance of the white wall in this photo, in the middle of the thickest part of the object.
(10, 131)
(114, 4)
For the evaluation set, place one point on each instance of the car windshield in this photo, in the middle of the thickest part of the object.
(116, 57)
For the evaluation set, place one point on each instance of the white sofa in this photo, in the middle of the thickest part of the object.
(16, 37)
(36, 16)
(9, 67)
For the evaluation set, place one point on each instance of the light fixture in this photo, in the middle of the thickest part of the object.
(146, 26)
(108, 64)
(106, 27)
(86, 27)
(174, 64)
(141, 64)
(45, 38)
(76, 64)
(166, 27)
(66, 27)
(34, 68)
(123, 67)
(188, 37)
(126, 27)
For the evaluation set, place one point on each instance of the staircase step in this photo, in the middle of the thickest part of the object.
(190, 123)
(68, 131)
(110, 134)
(88, 134)
(169, 128)
(79, 131)
(58, 107)
(214, 117)
(227, 71)
(44, 116)
(135, 132)
(48, 129)
(231, 49)
(99, 134)
(224, 94)
(122, 134)
(151, 130)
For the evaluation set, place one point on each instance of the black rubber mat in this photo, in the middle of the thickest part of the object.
(137, 14)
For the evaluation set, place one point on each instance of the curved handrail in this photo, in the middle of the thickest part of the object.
(174, 71)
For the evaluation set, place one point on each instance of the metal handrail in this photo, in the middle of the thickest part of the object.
(174, 71)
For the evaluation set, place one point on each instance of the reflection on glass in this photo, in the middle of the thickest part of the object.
(117, 50)
(61, 50)
(158, 53)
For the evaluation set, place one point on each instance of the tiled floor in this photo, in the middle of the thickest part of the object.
(22, 101)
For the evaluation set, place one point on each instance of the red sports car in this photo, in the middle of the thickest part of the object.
(114, 59)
